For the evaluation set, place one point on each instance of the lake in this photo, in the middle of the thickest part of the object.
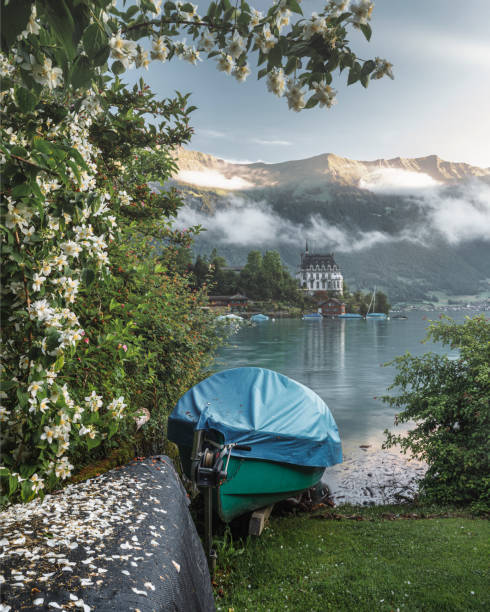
(342, 361)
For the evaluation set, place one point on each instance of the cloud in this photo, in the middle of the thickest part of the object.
(284, 143)
(397, 181)
(211, 133)
(246, 223)
(461, 215)
(456, 213)
(212, 178)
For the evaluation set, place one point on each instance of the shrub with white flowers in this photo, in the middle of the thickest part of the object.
(65, 206)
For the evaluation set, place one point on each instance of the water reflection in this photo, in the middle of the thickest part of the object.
(339, 359)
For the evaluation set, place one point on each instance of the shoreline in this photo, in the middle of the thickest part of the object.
(371, 476)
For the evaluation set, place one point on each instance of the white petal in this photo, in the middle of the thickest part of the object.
(39, 601)
(176, 565)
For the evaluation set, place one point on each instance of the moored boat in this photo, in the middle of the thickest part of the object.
(349, 315)
(313, 315)
(259, 318)
(261, 437)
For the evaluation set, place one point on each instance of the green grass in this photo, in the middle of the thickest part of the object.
(305, 564)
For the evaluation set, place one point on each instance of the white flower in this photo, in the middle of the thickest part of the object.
(276, 82)
(34, 387)
(142, 59)
(48, 434)
(4, 414)
(32, 26)
(337, 7)
(316, 25)
(266, 40)
(93, 401)
(382, 67)
(362, 11)
(207, 41)
(159, 50)
(325, 94)
(295, 96)
(241, 72)
(43, 405)
(236, 45)
(156, 5)
(283, 18)
(37, 483)
(123, 50)
(225, 63)
(37, 282)
(71, 248)
(63, 468)
(256, 17)
(45, 74)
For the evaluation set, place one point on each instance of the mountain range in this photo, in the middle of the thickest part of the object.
(419, 228)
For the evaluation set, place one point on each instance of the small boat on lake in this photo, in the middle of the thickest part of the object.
(255, 436)
(376, 316)
(259, 318)
(349, 315)
(313, 315)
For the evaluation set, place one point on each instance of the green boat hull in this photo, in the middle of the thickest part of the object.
(256, 483)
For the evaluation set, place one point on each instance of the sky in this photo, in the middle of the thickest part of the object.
(439, 102)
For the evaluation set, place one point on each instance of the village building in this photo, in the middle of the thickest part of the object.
(237, 301)
(319, 272)
(332, 308)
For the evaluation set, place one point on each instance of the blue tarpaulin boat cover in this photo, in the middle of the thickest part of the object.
(259, 317)
(281, 419)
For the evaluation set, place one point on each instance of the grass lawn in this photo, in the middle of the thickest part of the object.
(314, 564)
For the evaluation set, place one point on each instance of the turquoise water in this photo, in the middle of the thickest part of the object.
(339, 359)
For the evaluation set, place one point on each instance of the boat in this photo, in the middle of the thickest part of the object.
(399, 317)
(313, 315)
(349, 315)
(377, 316)
(259, 318)
(229, 317)
(253, 436)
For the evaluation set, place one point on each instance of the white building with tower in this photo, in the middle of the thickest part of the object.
(319, 272)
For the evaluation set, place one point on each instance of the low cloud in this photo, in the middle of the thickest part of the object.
(457, 213)
(397, 181)
(246, 223)
(212, 178)
(453, 213)
(461, 215)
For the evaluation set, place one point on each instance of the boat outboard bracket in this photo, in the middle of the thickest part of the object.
(209, 469)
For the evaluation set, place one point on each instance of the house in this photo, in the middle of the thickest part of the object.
(229, 301)
(319, 272)
(332, 307)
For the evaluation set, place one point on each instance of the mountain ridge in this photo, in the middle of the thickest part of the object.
(342, 170)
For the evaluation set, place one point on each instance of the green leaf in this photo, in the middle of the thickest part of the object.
(354, 74)
(366, 30)
(81, 73)
(88, 276)
(364, 80)
(15, 16)
(262, 73)
(21, 190)
(92, 443)
(294, 6)
(94, 39)
(117, 67)
(26, 100)
(102, 56)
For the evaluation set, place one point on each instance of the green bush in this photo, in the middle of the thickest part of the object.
(448, 398)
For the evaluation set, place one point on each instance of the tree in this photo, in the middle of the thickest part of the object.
(72, 138)
(449, 401)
